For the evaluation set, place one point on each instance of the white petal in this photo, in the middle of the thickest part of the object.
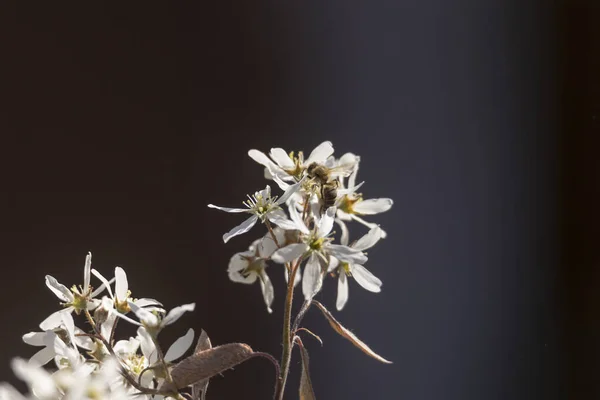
(177, 312)
(145, 316)
(102, 287)
(83, 341)
(265, 193)
(240, 229)
(39, 338)
(238, 263)
(315, 206)
(365, 279)
(289, 191)
(61, 349)
(370, 225)
(349, 189)
(347, 254)
(42, 357)
(229, 210)
(368, 240)
(40, 381)
(180, 346)
(345, 238)
(344, 216)
(69, 323)
(350, 162)
(54, 320)
(127, 347)
(86, 271)
(236, 276)
(372, 206)
(267, 290)
(333, 264)
(121, 284)
(267, 246)
(313, 278)
(105, 283)
(7, 392)
(289, 252)
(297, 278)
(342, 293)
(281, 158)
(147, 345)
(352, 179)
(262, 159)
(297, 218)
(59, 289)
(279, 181)
(320, 153)
(326, 222)
(147, 302)
(279, 218)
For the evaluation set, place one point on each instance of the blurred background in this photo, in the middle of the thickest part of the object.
(480, 119)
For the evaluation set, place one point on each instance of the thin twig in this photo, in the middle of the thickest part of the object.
(312, 334)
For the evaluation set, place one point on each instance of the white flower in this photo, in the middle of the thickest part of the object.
(283, 238)
(262, 206)
(175, 351)
(248, 266)
(8, 392)
(77, 299)
(351, 205)
(47, 341)
(38, 380)
(349, 269)
(317, 246)
(290, 167)
(153, 320)
(122, 295)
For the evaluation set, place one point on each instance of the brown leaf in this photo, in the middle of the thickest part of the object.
(206, 364)
(349, 335)
(306, 390)
(199, 388)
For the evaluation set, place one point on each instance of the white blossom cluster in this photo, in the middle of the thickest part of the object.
(317, 192)
(88, 362)
(82, 354)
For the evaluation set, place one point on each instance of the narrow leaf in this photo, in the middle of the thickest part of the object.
(339, 328)
(199, 388)
(306, 390)
(206, 364)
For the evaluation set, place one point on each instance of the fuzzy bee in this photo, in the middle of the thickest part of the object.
(326, 182)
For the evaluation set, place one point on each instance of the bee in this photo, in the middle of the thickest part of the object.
(325, 183)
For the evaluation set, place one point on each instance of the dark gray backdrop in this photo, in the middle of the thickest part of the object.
(122, 122)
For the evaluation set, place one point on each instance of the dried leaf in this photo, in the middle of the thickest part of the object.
(199, 389)
(349, 335)
(306, 390)
(206, 364)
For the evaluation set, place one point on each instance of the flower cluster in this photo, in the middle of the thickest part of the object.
(318, 192)
(83, 355)
(89, 361)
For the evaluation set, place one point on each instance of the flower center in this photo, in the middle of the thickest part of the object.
(260, 205)
(347, 203)
(255, 266)
(345, 268)
(299, 168)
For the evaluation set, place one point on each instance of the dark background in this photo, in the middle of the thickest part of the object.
(480, 119)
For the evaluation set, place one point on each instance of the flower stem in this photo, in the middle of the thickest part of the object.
(286, 354)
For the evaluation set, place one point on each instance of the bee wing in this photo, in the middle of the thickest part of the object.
(341, 171)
